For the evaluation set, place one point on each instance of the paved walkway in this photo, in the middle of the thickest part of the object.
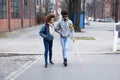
(28, 41)
(94, 67)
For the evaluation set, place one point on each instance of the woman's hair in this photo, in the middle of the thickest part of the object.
(48, 17)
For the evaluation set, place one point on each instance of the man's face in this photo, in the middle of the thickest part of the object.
(65, 17)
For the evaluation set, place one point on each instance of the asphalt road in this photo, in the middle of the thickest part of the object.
(97, 67)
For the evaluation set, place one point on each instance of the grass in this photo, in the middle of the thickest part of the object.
(3, 35)
(84, 38)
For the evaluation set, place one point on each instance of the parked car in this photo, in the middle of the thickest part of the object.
(87, 22)
(99, 20)
(90, 18)
(109, 19)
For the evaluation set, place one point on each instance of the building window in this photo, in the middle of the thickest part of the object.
(32, 8)
(26, 9)
(15, 9)
(38, 2)
(3, 10)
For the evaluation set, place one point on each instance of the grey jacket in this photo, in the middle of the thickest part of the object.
(63, 28)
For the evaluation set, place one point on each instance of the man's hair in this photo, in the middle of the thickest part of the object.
(64, 12)
(48, 17)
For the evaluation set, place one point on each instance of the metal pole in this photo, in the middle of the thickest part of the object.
(22, 11)
(9, 15)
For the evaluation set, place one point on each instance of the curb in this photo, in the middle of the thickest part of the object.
(6, 54)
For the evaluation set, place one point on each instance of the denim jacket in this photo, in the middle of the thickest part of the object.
(44, 32)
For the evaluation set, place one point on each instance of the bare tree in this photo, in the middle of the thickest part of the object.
(73, 6)
(46, 6)
(78, 10)
(116, 10)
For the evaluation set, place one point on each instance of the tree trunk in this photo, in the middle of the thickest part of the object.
(78, 10)
(74, 6)
(70, 9)
(116, 11)
(46, 7)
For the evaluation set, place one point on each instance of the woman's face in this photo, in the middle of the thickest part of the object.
(52, 20)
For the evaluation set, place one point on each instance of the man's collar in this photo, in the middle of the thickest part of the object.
(63, 19)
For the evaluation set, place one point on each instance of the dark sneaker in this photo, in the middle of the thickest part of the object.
(51, 62)
(65, 62)
(46, 65)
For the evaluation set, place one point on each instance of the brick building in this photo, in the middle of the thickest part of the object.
(41, 10)
(16, 14)
(113, 8)
(110, 8)
(102, 8)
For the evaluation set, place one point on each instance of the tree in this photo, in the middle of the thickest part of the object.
(116, 10)
(78, 10)
(73, 6)
(47, 2)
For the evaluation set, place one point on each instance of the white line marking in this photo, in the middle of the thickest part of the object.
(79, 57)
(16, 74)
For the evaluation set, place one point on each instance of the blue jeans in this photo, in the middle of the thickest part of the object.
(64, 44)
(48, 47)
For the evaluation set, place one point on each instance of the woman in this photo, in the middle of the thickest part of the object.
(47, 33)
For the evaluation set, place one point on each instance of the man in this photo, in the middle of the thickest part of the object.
(66, 31)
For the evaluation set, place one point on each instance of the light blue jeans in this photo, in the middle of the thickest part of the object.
(64, 44)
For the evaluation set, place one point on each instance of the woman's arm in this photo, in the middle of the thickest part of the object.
(42, 31)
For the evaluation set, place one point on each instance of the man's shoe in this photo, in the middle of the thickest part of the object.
(51, 62)
(65, 62)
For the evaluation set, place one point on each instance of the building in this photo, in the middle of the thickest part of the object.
(114, 9)
(102, 8)
(40, 11)
(110, 9)
(44, 7)
(17, 14)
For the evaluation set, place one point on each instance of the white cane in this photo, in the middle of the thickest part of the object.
(79, 57)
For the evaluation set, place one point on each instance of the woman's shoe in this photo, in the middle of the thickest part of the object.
(46, 65)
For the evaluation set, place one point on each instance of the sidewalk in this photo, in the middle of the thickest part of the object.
(28, 41)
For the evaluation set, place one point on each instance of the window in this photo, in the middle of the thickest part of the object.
(3, 10)
(32, 9)
(26, 9)
(15, 9)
